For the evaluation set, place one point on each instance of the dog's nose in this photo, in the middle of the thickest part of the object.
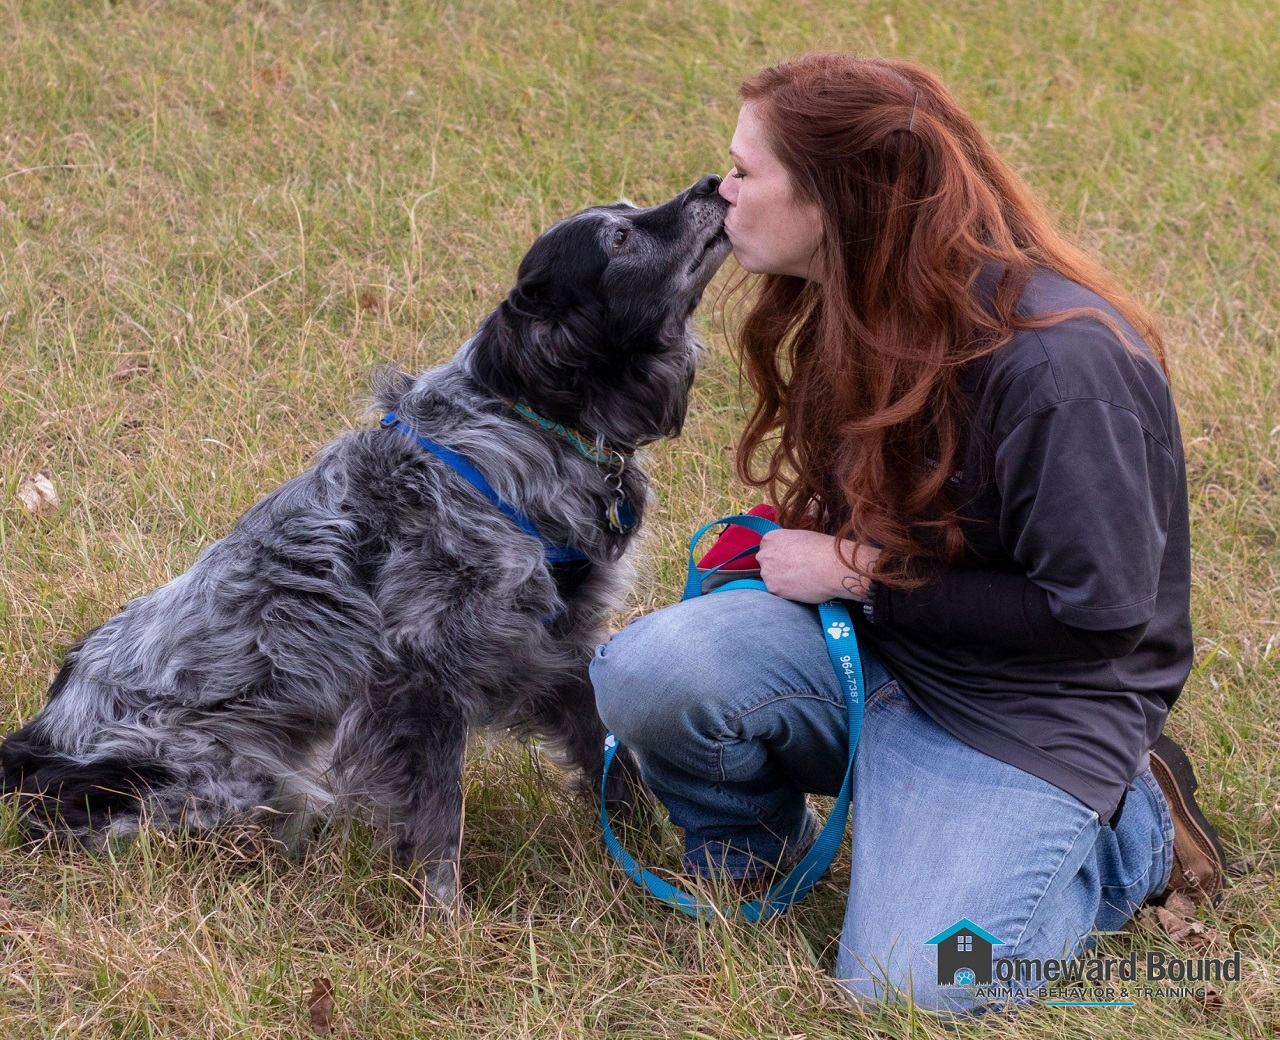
(707, 186)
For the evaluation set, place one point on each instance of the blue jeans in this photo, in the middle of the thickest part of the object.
(732, 707)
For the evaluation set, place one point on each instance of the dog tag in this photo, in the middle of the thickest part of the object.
(622, 518)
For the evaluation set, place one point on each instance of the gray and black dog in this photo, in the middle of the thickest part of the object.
(333, 650)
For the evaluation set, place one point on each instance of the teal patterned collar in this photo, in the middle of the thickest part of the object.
(585, 448)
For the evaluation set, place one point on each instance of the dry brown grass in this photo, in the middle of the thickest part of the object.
(215, 219)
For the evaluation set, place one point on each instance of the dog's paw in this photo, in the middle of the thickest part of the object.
(293, 833)
(440, 888)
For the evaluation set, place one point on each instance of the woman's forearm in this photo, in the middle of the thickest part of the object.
(804, 566)
(994, 608)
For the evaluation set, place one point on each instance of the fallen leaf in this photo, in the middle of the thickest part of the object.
(1180, 903)
(320, 1004)
(1167, 920)
(1173, 920)
(370, 301)
(274, 73)
(1194, 934)
(129, 366)
(1212, 999)
(38, 494)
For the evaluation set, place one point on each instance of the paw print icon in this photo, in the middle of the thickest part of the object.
(838, 630)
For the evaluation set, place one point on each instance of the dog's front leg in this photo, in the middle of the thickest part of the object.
(407, 765)
(428, 836)
(570, 723)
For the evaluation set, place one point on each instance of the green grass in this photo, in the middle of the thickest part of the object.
(215, 219)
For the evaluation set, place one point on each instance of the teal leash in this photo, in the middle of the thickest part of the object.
(842, 648)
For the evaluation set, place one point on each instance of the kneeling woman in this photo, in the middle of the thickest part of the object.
(968, 431)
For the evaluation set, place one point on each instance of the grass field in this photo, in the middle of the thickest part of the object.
(216, 218)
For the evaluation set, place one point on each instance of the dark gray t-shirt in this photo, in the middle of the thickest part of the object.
(1073, 477)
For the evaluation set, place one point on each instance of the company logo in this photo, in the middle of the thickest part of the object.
(964, 954)
(965, 959)
(838, 630)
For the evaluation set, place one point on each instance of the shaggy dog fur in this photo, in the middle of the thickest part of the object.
(333, 650)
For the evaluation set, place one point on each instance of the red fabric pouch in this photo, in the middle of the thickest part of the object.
(735, 539)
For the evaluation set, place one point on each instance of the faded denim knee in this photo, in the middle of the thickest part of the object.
(645, 691)
(673, 681)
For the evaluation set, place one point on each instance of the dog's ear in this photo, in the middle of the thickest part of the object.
(562, 269)
(561, 283)
(545, 337)
(519, 353)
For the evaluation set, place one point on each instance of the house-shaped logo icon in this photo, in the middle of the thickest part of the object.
(964, 954)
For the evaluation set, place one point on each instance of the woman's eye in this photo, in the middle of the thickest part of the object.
(736, 174)
(619, 236)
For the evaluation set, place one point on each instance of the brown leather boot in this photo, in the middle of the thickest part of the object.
(1198, 861)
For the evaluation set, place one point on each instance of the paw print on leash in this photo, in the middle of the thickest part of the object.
(838, 630)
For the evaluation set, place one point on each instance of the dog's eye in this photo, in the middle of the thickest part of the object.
(619, 236)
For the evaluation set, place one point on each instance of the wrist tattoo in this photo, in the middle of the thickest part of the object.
(855, 586)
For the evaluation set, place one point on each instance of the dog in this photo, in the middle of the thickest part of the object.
(332, 652)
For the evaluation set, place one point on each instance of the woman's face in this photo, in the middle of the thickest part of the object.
(772, 230)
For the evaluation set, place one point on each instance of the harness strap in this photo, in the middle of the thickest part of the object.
(555, 553)
(842, 649)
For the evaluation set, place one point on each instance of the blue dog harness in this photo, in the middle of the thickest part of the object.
(554, 552)
(842, 648)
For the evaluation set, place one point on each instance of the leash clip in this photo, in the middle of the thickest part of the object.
(621, 517)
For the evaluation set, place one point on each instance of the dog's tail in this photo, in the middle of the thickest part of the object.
(61, 792)
(57, 794)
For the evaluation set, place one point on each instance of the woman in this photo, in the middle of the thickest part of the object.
(968, 431)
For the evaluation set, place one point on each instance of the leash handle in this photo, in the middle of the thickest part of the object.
(693, 587)
(842, 649)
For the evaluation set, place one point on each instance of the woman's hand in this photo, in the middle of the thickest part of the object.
(803, 566)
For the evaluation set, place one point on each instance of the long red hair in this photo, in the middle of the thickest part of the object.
(856, 379)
